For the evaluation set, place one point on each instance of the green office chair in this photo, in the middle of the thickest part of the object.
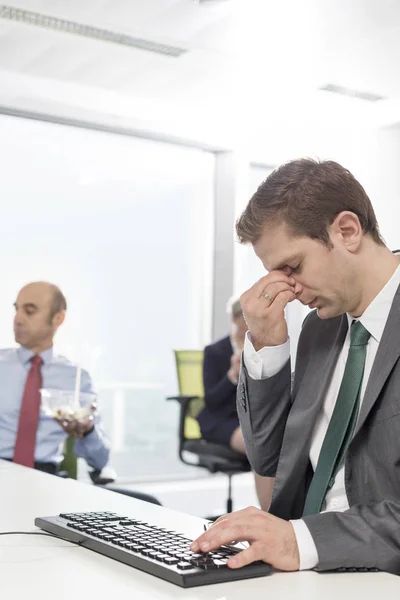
(69, 466)
(216, 458)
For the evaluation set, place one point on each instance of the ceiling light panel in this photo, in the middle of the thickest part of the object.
(39, 20)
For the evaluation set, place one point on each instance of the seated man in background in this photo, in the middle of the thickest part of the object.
(27, 435)
(218, 420)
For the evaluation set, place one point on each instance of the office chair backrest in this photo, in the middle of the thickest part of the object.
(193, 449)
(189, 368)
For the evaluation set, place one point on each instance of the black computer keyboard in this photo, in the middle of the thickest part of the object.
(153, 549)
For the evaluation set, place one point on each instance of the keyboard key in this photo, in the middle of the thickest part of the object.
(197, 562)
(220, 563)
(127, 544)
(203, 561)
(151, 545)
(117, 541)
(152, 553)
(158, 556)
(210, 565)
(170, 560)
(184, 566)
(163, 557)
(135, 547)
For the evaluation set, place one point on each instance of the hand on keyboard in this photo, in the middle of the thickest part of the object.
(271, 540)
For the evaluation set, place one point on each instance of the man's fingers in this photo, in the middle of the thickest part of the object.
(70, 427)
(76, 427)
(258, 288)
(63, 423)
(231, 527)
(281, 301)
(213, 538)
(245, 557)
(220, 534)
(273, 289)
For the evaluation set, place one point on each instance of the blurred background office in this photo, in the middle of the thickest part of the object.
(132, 134)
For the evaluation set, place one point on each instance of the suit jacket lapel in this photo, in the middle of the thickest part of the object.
(320, 367)
(307, 403)
(386, 357)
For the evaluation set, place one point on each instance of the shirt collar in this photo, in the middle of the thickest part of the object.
(375, 315)
(25, 355)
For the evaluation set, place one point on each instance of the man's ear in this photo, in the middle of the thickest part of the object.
(59, 318)
(347, 228)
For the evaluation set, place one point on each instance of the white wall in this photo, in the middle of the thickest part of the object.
(373, 156)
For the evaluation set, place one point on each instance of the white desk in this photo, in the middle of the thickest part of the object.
(38, 567)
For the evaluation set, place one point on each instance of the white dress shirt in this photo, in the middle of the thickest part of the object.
(269, 360)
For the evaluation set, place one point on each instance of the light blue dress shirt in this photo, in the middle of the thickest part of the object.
(57, 373)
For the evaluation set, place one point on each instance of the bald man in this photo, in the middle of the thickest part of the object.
(27, 435)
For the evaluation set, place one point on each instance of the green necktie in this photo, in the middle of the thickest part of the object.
(342, 423)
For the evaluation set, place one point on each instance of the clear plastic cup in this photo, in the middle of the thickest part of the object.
(60, 404)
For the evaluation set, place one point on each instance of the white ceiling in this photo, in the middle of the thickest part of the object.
(249, 63)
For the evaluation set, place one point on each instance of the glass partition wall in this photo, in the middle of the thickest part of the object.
(124, 226)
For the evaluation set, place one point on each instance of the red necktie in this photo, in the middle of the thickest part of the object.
(24, 453)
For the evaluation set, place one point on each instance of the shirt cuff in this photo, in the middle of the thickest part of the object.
(307, 549)
(93, 448)
(268, 361)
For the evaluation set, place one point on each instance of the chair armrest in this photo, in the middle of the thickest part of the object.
(106, 475)
(182, 399)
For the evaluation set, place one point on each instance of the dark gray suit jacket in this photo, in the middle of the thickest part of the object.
(278, 422)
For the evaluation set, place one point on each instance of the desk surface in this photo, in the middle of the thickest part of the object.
(39, 567)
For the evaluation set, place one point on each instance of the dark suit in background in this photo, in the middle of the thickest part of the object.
(218, 419)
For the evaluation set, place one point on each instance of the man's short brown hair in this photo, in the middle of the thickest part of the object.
(306, 195)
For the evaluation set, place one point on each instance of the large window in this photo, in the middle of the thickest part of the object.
(124, 226)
